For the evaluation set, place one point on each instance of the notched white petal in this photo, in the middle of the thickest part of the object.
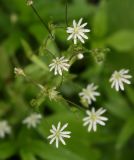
(89, 93)
(118, 79)
(93, 118)
(59, 65)
(77, 32)
(58, 134)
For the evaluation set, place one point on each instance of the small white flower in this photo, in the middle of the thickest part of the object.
(59, 65)
(4, 128)
(89, 94)
(53, 94)
(77, 32)
(93, 118)
(32, 120)
(58, 134)
(118, 78)
(80, 56)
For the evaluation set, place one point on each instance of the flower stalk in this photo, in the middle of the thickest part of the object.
(41, 20)
(66, 13)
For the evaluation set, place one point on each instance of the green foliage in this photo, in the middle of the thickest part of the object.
(7, 149)
(122, 40)
(23, 43)
(126, 133)
(99, 24)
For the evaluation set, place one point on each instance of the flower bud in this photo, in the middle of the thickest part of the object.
(19, 72)
(80, 56)
(29, 2)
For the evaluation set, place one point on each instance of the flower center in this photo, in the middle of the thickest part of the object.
(88, 93)
(93, 117)
(58, 62)
(57, 134)
(76, 30)
(117, 76)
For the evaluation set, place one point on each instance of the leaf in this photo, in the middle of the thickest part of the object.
(4, 60)
(32, 56)
(130, 93)
(7, 149)
(126, 133)
(45, 151)
(99, 25)
(25, 155)
(120, 15)
(12, 43)
(38, 31)
(117, 104)
(122, 40)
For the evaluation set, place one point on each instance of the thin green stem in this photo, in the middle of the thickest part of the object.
(41, 20)
(74, 104)
(32, 81)
(50, 53)
(62, 77)
(66, 13)
(46, 41)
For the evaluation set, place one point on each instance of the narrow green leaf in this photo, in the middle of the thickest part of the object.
(122, 40)
(118, 106)
(130, 93)
(25, 155)
(32, 56)
(99, 28)
(126, 133)
(4, 60)
(43, 150)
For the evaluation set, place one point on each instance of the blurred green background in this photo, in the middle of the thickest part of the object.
(112, 25)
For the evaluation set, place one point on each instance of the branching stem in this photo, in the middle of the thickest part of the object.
(41, 20)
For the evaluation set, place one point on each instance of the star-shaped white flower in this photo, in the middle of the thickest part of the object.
(77, 32)
(59, 65)
(118, 78)
(89, 94)
(93, 118)
(58, 134)
(32, 120)
(4, 128)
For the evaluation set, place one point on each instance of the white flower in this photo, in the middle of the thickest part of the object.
(80, 56)
(58, 134)
(77, 32)
(93, 118)
(4, 128)
(32, 120)
(89, 94)
(59, 65)
(118, 78)
(53, 94)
